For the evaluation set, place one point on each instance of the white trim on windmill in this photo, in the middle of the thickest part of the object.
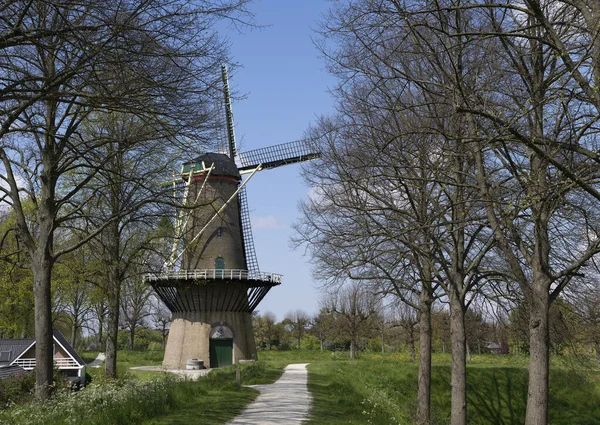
(180, 224)
(218, 213)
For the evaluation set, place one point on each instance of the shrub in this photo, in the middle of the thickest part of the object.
(16, 389)
(111, 402)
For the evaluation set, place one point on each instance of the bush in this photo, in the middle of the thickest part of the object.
(310, 342)
(16, 389)
(113, 402)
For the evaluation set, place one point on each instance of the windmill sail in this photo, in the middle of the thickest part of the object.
(277, 155)
(228, 113)
(248, 241)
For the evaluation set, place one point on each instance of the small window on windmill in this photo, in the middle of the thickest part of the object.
(220, 267)
(4, 356)
(219, 232)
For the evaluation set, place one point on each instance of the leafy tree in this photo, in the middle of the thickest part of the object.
(16, 310)
(60, 63)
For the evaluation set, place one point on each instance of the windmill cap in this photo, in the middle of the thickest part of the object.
(224, 166)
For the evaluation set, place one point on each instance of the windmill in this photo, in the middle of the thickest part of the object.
(212, 282)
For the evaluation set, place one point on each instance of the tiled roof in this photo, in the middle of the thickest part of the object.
(14, 370)
(14, 347)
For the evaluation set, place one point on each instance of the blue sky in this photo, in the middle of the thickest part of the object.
(285, 87)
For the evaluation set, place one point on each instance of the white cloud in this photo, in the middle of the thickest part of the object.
(265, 222)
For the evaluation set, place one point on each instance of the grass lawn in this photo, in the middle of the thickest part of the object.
(143, 397)
(218, 401)
(374, 389)
(381, 389)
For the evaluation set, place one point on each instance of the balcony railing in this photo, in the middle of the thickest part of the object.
(61, 363)
(227, 274)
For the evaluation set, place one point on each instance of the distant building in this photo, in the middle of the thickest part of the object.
(7, 371)
(21, 353)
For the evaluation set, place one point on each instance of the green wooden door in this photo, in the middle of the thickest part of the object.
(221, 352)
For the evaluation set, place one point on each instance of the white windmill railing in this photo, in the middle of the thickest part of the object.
(225, 274)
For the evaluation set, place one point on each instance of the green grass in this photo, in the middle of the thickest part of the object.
(378, 389)
(219, 400)
(89, 356)
(381, 389)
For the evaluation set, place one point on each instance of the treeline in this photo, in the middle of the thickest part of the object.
(574, 331)
(461, 167)
(79, 297)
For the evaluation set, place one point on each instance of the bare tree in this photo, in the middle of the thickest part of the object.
(297, 321)
(355, 310)
(61, 62)
(135, 305)
(405, 317)
(161, 316)
(71, 291)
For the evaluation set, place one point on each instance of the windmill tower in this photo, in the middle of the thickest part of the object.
(213, 282)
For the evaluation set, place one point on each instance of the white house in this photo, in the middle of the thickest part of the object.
(21, 352)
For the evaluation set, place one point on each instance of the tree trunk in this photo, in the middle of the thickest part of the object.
(112, 322)
(424, 379)
(459, 364)
(44, 355)
(352, 348)
(112, 333)
(100, 334)
(74, 335)
(537, 394)
(597, 347)
(132, 337)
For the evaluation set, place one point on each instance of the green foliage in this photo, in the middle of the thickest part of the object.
(163, 399)
(145, 339)
(310, 342)
(16, 311)
(16, 389)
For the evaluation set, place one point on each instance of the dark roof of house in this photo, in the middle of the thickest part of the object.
(62, 341)
(10, 349)
(12, 370)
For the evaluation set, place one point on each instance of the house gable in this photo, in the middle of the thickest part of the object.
(65, 356)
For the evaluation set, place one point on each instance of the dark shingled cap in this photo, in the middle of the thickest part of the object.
(224, 166)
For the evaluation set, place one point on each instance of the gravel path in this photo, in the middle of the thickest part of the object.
(97, 361)
(286, 402)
